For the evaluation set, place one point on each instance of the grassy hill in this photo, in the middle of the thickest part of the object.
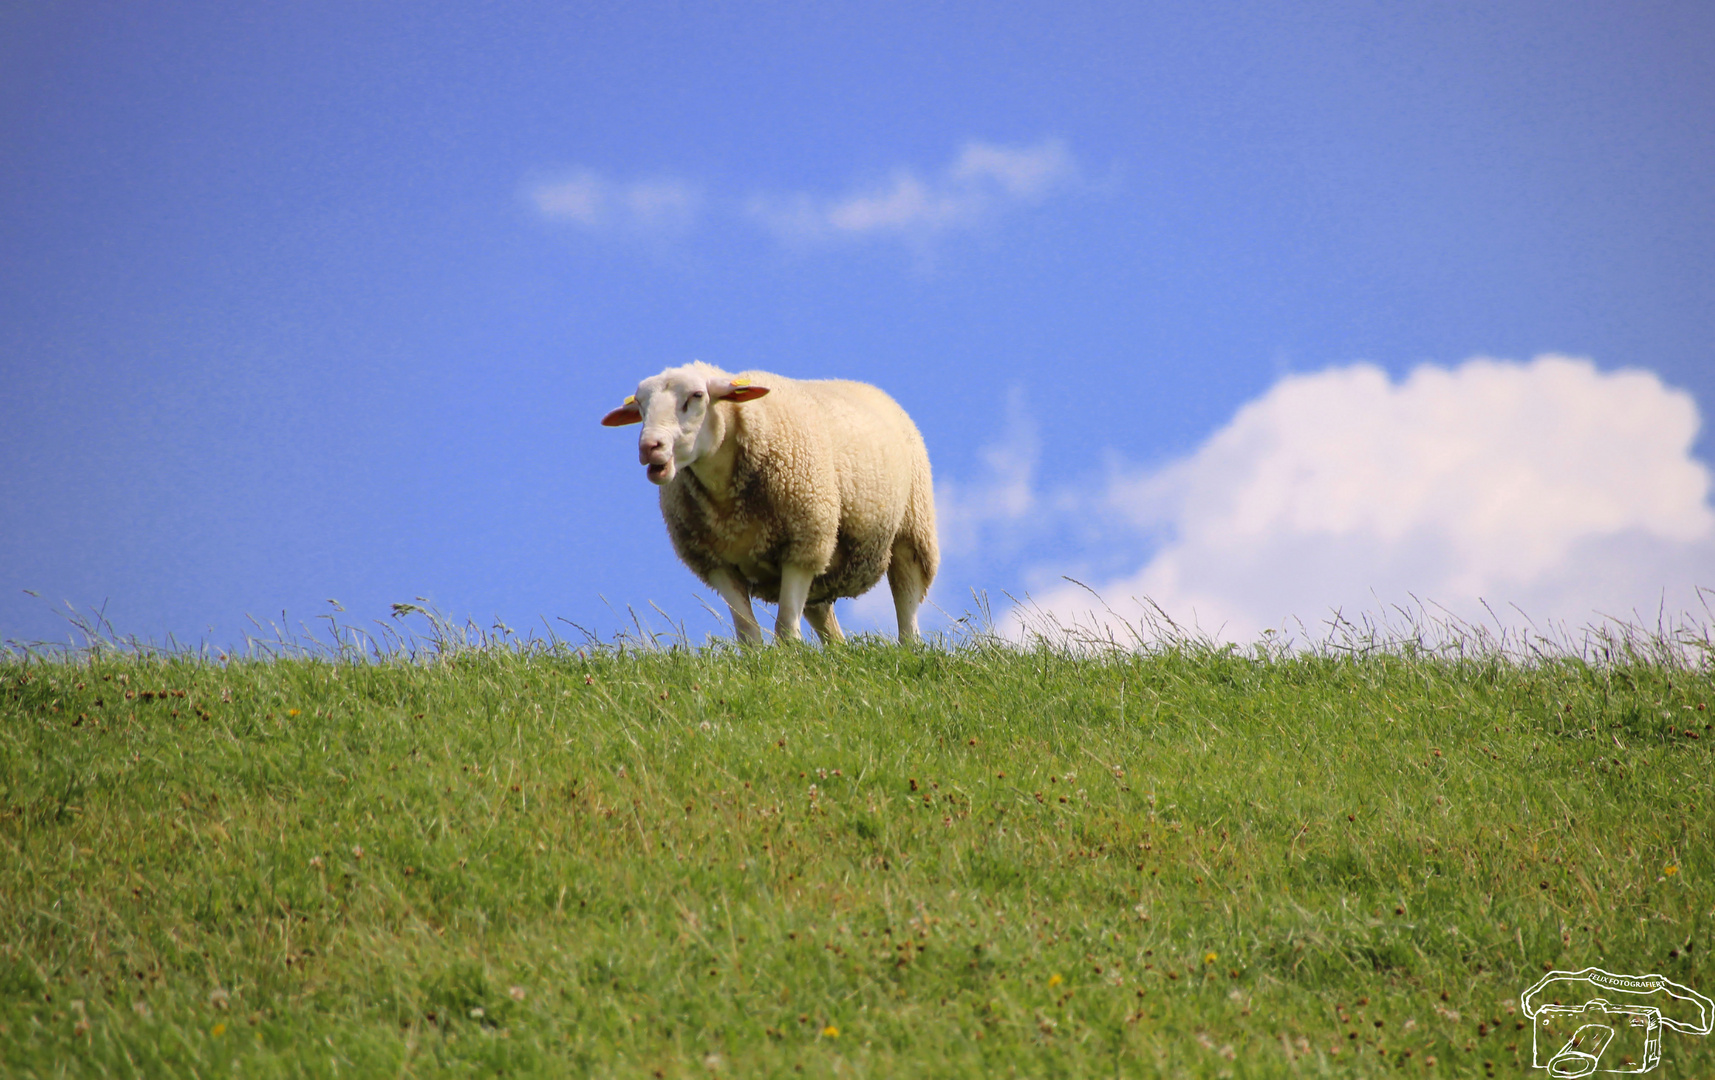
(863, 862)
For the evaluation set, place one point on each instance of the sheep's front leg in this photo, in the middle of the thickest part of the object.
(737, 597)
(794, 590)
(822, 621)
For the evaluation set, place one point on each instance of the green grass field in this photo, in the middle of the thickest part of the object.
(869, 861)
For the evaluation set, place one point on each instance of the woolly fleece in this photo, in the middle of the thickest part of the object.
(826, 473)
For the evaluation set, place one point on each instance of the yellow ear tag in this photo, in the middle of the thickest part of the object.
(736, 383)
(630, 399)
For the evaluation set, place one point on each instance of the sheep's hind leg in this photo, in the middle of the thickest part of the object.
(905, 579)
(737, 598)
(822, 621)
(794, 590)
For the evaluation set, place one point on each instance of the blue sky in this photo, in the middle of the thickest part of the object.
(324, 301)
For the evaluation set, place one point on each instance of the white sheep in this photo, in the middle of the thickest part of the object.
(796, 492)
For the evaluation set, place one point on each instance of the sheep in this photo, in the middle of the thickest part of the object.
(796, 492)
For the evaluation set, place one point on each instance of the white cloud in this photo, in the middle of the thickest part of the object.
(981, 183)
(965, 514)
(587, 199)
(581, 198)
(1024, 173)
(1566, 491)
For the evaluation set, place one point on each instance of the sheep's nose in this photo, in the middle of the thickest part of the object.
(649, 450)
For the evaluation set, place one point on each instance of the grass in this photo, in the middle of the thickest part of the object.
(866, 861)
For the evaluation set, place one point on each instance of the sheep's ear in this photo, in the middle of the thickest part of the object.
(735, 390)
(627, 413)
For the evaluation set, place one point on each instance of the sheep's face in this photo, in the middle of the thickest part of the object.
(673, 408)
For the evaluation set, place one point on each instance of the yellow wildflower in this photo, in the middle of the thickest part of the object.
(831, 1032)
(1055, 980)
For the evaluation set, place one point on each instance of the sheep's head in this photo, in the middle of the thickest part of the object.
(673, 408)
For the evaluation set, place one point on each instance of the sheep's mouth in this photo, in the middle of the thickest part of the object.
(656, 473)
